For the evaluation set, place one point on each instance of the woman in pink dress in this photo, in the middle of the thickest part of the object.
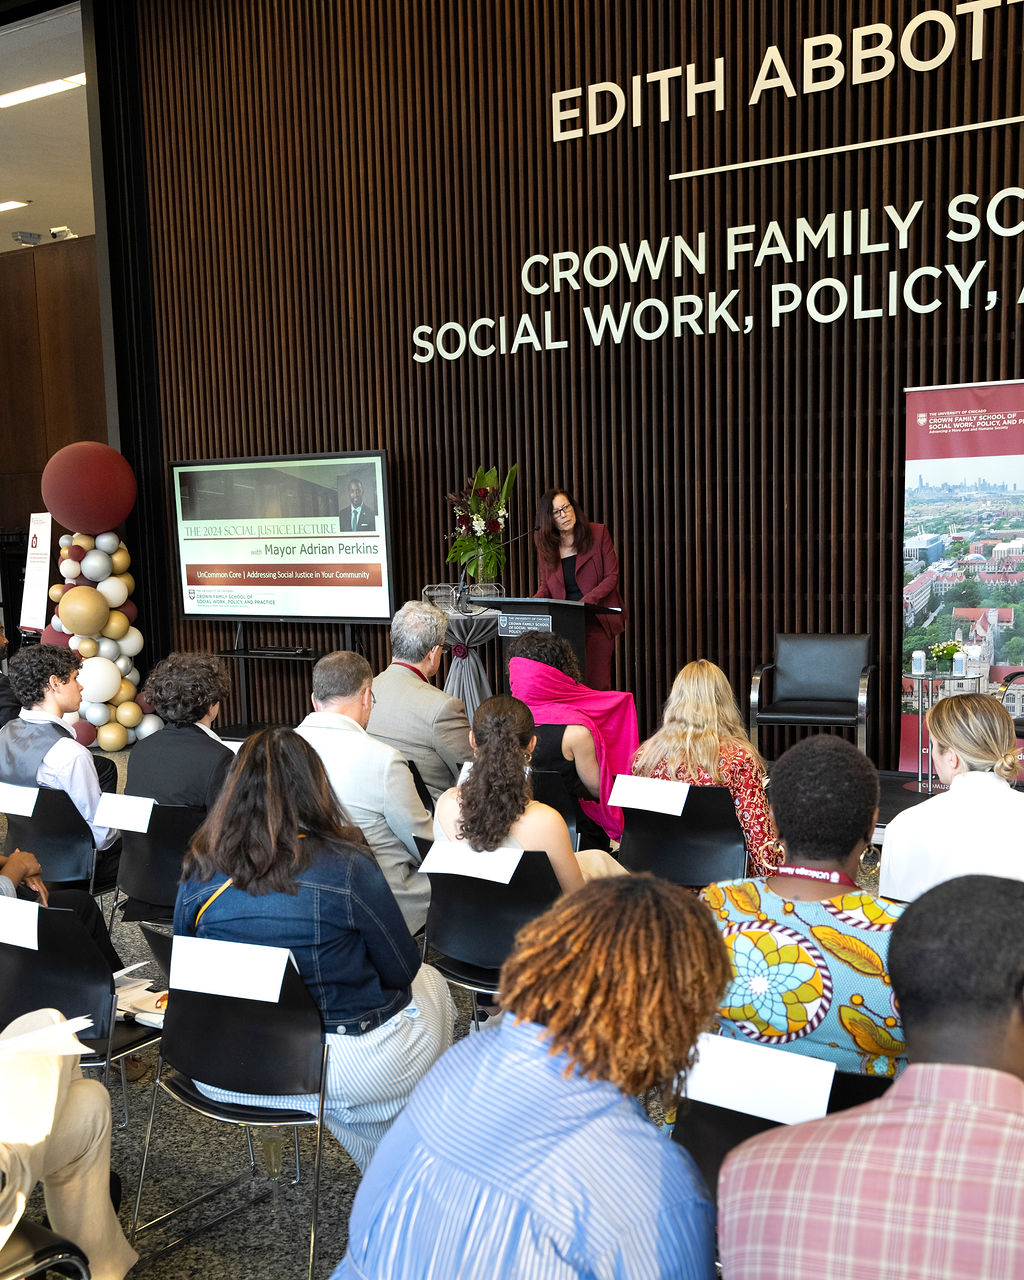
(702, 741)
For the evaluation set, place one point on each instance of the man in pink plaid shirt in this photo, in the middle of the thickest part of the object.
(927, 1183)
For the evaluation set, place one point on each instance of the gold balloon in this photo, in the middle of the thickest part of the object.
(83, 611)
(125, 693)
(112, 736)
(117, 625)
(55, 592)
(121, 560)
(63, 553)
(126, 578)
(129, 714)
(85, 540)
(88, 647)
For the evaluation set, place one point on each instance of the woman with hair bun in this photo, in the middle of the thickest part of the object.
(702, 741)
(494, 806)
(976, 826)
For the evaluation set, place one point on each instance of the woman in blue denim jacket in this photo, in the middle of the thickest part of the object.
(277, 863)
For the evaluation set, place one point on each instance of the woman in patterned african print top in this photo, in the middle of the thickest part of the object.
(702, 741)
(809, 949)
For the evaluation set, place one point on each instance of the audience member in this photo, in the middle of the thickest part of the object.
(978, 824)
(926, 1182)
(566, 749)
(185, 762)
(494, 806)
(421, 722)
(9, 704)
(40, 749)
(372, 781)
(556, 697)
(277, 863)
(55, 1126)
(702, 741)
(808, 948)
(524, 1151)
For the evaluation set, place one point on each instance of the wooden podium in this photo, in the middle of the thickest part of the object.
(568, 618)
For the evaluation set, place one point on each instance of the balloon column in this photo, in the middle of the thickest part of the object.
(90, 487)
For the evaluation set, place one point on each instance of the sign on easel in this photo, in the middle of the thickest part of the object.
(37, 573)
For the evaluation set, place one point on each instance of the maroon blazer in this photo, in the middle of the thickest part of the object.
(597, 576)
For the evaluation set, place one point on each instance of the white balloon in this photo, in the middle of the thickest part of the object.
(108, 542)
(114, 591)
(134, 676)
(74, 642)
(56, 623)
(132, 735)
(148, 725)
(96, 713)
(132, 642)
(97, 565)
(109, 649)
(124, 664)
(70, 568)
(99, 679)
(67, 540)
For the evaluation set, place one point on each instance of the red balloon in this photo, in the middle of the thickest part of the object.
(50, 636)
(88, 487)
(144, 703)
(76, 552)
(84, 732)
(130, 611)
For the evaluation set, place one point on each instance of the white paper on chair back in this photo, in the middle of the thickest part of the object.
(774, 1083)
(656, 795)
(239, 969)
(19, 923)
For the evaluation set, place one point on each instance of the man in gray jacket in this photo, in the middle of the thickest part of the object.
(372, 781)
(427, 725)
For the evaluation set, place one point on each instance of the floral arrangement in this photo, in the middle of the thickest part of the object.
(946, 650)
(481, 512)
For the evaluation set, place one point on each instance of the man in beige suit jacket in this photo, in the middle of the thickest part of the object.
(372, 781)
(425, 724)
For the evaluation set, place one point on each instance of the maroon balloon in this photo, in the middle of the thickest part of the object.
(75, 552)
(145, 704)
(84, 732)
(88, 487)
(129, 609)
(50, 636)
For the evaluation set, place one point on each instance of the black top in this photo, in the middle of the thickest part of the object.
(10, 707)
(547, 756)
(178, 765)
(572, 591)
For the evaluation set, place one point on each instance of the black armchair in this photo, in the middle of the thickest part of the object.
(1018, 720)
(821, 681)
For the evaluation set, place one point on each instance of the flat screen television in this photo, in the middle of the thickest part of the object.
(303, 538)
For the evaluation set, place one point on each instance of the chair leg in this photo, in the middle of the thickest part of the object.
(316, 1165)
(145, 1149)
(124, 1094)
(298, 1167)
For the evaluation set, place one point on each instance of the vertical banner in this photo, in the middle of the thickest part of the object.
(35, 600)
(963, 540)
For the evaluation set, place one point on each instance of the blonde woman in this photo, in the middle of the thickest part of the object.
(975, 827)
(702, 741)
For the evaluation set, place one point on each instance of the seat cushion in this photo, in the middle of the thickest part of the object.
(794, 711)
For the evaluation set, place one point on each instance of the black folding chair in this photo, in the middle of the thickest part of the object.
(697, 847)
(422, 790)
(69, 974)
(151, 861)
(31, 1250)
(473, 922)
(248, 1047)
(59, 836)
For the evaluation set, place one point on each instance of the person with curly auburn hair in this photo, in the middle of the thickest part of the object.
(494, 806)
(576, 560)
(702, 741)
(278, 863)
(606, 994)
(185, 762)
(978, 824)
(808, 948)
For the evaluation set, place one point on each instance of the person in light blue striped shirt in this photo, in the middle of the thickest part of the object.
(524, 1152)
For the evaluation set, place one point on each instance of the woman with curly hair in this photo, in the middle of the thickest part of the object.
(606, 994)
(278, 863)
(494, 806)
(185, 762)
(702, 741)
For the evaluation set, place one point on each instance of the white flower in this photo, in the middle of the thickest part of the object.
(479, 525)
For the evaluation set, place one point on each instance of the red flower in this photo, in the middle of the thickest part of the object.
(494, 526)
(464, 521)
(482, 493)
(460, 650)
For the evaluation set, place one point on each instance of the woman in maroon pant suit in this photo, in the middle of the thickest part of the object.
(577, 561)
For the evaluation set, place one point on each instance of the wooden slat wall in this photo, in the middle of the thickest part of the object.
(327, 174)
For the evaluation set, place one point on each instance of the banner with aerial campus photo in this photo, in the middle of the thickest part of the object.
(963, 543)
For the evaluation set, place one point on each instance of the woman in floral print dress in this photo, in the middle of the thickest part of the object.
(702, 741)
(809, 950)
